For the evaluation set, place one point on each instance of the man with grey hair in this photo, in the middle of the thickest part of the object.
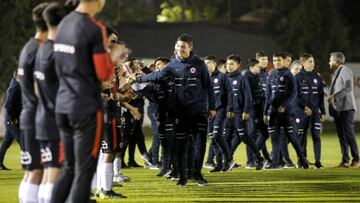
(342, 107)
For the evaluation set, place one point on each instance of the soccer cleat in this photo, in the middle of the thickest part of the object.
(110, 195)
(121, 178)
(94, 193)
(117, 184)
(209, 165)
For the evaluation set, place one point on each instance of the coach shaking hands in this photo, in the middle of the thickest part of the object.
(342, 108)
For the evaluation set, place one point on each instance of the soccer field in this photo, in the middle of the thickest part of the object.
(288, 185)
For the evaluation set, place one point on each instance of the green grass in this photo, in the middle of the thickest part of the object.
(293, 185)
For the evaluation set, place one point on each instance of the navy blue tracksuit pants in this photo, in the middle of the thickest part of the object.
(278, 120)
(312, 122)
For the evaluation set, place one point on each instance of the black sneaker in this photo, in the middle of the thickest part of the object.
(162, 173)
(172, 175)
(289, 164)
(267, 163)
(133, 165)
(273, 167)
(200, 180)
(209, 165)
(181, 183)
(146, 159)
(110, 195)
(3, 167)
(237, 165)
(318, 165)
(217, 168)
(228, 166)
(305, 163)
(250, 165)
(259, 165)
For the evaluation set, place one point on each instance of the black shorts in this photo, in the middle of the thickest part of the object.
(50, 153)
(30, 150)
(112, 137)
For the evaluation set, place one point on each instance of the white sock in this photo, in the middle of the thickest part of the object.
(94, 181)
(31, 193)
(48, 192)
(107, 176)
(117, 166)
(41, 193)
(21, 193)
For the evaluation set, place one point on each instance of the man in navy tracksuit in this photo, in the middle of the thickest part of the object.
(280, 92)
(223, 104)
(311, 101)
(13, 108)
(263, 75)
(256, 123)
(241, 106)
(194, 98)
(159, 93)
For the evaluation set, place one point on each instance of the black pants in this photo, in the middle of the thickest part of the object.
(221, 147)
(192, 126)
(81, 139)
(239, 126)
(344, 122)
(134, 136)
(167, 139)
(278, 120)
(11, 132)
(312, 122)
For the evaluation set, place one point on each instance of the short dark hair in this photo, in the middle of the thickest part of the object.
(234, 58)
(221, 61)
(71, 5)
(54, 13)
(110, 31)
(306, 56)
(279, 54)
(252, 62)
(163, 59)
(260, 54)
(210, 58)
(287, 54)
(37, 17)
(186, 38)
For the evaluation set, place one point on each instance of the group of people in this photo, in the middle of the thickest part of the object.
(77, 93)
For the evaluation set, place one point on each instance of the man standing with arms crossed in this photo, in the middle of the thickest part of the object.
(81, 61)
